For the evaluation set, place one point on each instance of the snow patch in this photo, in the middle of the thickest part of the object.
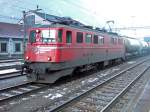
(41, 92)
(89, 80)
(1, 107)
(7, 94)
(115, 69)
(92, 79)
(131, 62)
(83, 82)
(103, 74)
(57, 95)
(25, 99)
(48, 95)
(32, 95)
(8, 71)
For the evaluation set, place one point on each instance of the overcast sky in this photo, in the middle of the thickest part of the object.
(125, 13)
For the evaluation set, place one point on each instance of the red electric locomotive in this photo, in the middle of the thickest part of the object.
(58, 50)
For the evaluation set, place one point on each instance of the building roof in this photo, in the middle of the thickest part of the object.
(57, 19)
(10, 30)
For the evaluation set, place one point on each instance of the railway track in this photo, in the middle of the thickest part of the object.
(19, 90)
(10, 65)
(11, 75)
(102, 95)
(10, 68)
(57, 95)
(10, 60)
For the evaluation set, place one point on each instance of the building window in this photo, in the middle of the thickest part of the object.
(17, 47)
(88, 38)
(3, 47)
(60, 32)
(68, 37)
(79, 37)
(95, 39)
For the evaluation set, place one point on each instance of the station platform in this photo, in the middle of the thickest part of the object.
(143, 104)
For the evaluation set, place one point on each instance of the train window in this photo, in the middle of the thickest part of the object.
(88, 38)
(95, 39)
(79, 37)
(68, 37)
(116, 40)
(101, 40)
(113, 40)
(60, 31)
(120, 41)
(32, 36)
(48, 36)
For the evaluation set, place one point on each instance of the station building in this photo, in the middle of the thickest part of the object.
(11, 40)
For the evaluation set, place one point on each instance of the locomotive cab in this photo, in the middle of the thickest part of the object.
(42, 45)
(42, 56)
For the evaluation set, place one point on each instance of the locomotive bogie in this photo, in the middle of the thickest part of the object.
(48, 77)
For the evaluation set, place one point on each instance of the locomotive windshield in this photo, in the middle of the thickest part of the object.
(48, 36)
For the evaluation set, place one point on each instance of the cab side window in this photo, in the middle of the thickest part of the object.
(101, 40)
(79, 37)
(68, 37)
(95, 39)
(60, 32)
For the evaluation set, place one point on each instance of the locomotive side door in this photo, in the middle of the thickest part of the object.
(106, 47)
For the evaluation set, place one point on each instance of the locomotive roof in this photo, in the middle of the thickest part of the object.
(82, 28)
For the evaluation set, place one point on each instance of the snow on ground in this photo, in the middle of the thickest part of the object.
(53, 96)
(89, 80)
(8, 71)
(131, 62)
(10, 64)
(115, 69)
(4, 61)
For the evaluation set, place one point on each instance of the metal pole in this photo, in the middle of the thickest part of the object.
(24, 29)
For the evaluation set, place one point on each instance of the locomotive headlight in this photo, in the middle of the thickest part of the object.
(49, 59)
(37, 31)
(27, 57)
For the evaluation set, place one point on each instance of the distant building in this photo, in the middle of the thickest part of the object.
(11, 41)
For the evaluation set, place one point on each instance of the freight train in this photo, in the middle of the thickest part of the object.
(57, 50)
